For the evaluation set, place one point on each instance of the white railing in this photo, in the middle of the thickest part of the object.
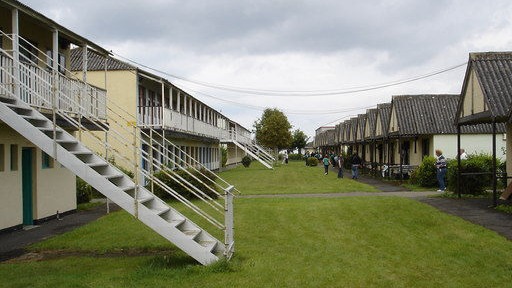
(36, 80)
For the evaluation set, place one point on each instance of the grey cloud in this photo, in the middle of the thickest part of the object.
(409, 31)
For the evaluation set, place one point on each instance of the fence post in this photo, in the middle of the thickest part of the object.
(229, 223)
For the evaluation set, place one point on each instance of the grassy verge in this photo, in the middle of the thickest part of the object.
(340, 242)
(294, 178)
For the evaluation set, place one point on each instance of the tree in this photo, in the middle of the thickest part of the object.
(273, 129)
(299, 140)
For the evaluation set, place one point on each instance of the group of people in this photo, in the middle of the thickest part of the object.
(338, 162)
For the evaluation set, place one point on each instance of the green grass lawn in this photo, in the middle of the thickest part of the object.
(298, 242)
(282, 242)
(294, 178)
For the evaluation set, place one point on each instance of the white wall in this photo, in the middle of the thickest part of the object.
(478, 143)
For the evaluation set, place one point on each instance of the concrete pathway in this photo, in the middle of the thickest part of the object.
(13, 243)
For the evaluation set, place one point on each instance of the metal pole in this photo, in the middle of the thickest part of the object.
(494, 182)
(458, 163)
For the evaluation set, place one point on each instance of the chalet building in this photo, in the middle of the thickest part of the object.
(29, 43)
(420, 124)
(382, 145)
(486, 98)
(360, 141)
(151, 101)
(369, 136)
(325, 140)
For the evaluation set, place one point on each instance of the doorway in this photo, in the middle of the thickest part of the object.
(27, 180)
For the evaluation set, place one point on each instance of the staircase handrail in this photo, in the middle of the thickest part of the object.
(78, 125)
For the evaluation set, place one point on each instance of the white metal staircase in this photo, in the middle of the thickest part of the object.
(252, 149)
(45, 90)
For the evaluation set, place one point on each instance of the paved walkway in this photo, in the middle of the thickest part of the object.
(477, 211)
(12, 244)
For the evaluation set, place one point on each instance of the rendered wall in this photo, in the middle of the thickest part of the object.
(54, 188)
(479, 143)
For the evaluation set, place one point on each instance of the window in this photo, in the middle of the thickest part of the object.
(2, 158)
(62, 61)
(28, 51)
(14, 157)
(46, 161)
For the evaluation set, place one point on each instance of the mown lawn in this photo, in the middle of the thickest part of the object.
(297, 242)
(294, 178)
(282, 242)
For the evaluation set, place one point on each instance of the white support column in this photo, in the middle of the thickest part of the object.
(178, 104)
(55, 72)
(16, 52)
(162, 124)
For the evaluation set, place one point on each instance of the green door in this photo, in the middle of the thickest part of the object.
(26, 178)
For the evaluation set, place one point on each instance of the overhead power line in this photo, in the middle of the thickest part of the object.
(298, 93)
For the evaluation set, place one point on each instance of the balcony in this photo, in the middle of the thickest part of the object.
(158, 117)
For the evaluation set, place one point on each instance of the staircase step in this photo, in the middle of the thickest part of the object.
(49, 129)
(97, 164)
(35, 118)
(14, 106)
(192, 234)
(67, 141)
(160, 211)
(81, 152)
(210, 245)
(127, 188)
(146, 198)
(113, 176)
(177, 222)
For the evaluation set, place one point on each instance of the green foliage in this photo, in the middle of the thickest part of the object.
(425, 174)
(312, 161)
(273, 129)
(295, 157)
(224, 153)
(299, 140)
(83, 191)
(246, 161)
(472, 184)
(176, 185)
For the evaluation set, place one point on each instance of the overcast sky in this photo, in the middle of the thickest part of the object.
(293, 45)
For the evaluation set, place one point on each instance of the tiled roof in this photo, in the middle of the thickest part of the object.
(353, 126)
(494, 73)
(384, 113)
(361, 123)
(431, 114)
(371, 119)
(96, 62)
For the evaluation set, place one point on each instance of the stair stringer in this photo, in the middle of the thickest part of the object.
(202, 254)
(252, 154)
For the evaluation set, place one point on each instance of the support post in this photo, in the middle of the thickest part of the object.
(55, 88)
(229, 233)
(136, 171)
(459, 174)
(494, 182)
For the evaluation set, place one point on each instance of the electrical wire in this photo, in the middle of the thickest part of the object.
(298, 93)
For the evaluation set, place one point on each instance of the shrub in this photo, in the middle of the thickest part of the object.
(202, 175)
(312, 161)
(471, 184)
(295, 157)
(425, 174)
(246, 161)
(83, 191)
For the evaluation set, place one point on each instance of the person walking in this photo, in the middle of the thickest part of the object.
(326, 164)
(441, 170)
(340, 166)
(356, 162)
